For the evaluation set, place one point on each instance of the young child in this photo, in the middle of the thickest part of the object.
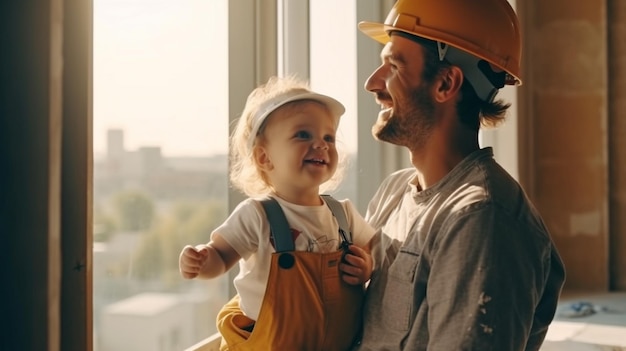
(299, 287)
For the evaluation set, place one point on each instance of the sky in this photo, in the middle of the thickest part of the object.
(156, 75)
(159, 74)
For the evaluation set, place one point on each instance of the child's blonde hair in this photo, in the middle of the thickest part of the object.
(245, 174)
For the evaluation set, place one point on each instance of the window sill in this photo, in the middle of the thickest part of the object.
(212, 343)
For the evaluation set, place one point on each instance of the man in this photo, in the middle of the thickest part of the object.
(465, 261)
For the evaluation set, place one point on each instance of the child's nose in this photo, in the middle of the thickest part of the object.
(320, 143)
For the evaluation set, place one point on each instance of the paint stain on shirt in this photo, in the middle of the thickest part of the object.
(483, 299)
(486, 329)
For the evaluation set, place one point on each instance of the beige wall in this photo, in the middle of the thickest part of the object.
(573, 158)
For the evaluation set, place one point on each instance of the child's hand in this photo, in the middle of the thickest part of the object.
(191, 260)
(357, 266)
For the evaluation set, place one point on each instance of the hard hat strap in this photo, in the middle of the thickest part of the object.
(442, 49)
(479, 73)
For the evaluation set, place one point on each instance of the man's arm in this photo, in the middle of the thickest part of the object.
(487, 275)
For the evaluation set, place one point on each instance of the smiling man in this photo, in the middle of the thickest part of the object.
(465, 261)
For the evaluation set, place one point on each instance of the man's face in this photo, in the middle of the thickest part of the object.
(407, 116)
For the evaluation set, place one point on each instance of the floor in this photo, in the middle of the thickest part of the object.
(604, 329)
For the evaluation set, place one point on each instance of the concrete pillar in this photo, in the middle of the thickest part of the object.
(565, 100)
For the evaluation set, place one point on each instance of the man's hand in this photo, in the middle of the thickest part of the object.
(357, 266)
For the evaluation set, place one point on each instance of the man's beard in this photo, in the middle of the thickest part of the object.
(412, 126)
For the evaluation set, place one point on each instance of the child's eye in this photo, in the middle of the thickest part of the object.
(329, 138)
(303, 134)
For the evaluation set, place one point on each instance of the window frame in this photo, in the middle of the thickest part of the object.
(252, 59)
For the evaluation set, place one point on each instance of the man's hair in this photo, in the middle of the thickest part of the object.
(472, 111)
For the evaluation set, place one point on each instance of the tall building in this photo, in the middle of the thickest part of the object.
(115, 144)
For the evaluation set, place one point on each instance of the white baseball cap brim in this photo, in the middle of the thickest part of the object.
(336, 108)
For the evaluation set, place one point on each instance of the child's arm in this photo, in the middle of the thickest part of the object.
(207, 261)
(357, 266)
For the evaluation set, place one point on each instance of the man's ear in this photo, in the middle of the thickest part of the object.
(262, 158)
(449, 84)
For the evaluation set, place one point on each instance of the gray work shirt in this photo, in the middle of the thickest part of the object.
(466, 264)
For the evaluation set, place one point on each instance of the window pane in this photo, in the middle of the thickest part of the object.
(333, 71)
(160, 172)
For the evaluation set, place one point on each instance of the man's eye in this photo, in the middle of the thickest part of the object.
(303, 135)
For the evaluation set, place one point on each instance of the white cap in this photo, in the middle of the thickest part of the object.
(336, 108)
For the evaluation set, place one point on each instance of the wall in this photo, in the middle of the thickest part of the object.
(45, 158)
(30, 157)
(572, 133)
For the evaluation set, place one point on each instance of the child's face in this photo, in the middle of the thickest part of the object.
(298, 151)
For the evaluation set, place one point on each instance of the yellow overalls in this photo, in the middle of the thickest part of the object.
(306, 304)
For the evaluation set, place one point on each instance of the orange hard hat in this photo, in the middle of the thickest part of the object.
(485, 29)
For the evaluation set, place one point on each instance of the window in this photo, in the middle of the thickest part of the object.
(160, 168)
(320, 42)
(333, 72)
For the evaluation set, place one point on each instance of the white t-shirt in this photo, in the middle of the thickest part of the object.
(315, 229)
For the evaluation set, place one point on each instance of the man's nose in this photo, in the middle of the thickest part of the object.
(375, 81)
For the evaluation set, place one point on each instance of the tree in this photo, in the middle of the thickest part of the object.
(103, 224)
(135, 210)
(188, 223)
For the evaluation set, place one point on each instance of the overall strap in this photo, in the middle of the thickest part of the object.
(279, 227)
(340, 214)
